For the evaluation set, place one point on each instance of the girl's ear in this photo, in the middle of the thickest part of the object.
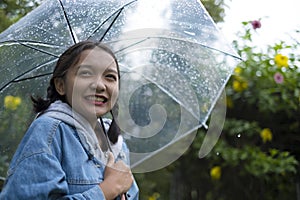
(60, 86)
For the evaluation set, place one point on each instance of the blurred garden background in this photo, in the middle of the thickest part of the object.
(257, 155)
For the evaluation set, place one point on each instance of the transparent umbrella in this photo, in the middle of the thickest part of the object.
(174, 66)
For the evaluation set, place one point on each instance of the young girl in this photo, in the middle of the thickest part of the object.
(69, 151)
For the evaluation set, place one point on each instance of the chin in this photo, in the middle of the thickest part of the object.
(101, 113)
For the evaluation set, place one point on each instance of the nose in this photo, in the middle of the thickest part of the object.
(98, 85)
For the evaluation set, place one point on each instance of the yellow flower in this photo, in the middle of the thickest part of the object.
(154, 196)
(266, 135)
(216, 172)
(239, 85)
(281, 60)
(11, 102)
(238, 70)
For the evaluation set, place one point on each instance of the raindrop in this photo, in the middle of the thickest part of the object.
(238, 135)
(258, 73)
(190, 33)
(148, 92)
(218, 153)
(283, 69)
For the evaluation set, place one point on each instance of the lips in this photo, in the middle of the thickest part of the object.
(97, 98)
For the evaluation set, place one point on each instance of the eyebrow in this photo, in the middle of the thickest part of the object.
(108, 69)
(83, 66)
(111, 70)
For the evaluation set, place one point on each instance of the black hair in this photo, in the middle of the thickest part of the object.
(68, 59)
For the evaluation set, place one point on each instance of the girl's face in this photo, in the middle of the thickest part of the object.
(91, 86)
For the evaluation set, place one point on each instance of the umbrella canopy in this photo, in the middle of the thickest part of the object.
(174, 65)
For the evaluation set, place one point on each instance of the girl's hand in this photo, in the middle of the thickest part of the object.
(117, 178)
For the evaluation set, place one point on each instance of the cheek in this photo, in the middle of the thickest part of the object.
(70, 96)
(115, 93)
(74, 92)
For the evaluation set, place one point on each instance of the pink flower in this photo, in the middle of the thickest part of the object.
(256, 24)
(278, 77)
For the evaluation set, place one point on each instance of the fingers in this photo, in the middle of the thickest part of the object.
(123, 197)
(116, 165)
(110, 159)
(117, 174)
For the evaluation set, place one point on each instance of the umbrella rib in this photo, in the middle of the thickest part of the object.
(68, 22)
(37, 49)
(131, 45)
(30, 41)
(106, 31)
(118, 11)
(21, 42)
(23, 79)
(203, 123)
(178, 39)
(159, 86)
(16, 80)
(169, 94)
(212, 48)
(29, 78)
(166, 146)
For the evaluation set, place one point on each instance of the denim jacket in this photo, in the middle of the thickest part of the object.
(60, 158)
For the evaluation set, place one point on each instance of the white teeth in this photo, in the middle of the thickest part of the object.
(93, 98)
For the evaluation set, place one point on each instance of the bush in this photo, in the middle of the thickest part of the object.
(258, 152)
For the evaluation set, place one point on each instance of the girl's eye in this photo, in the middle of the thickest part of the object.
(84, 73)
(111, 76)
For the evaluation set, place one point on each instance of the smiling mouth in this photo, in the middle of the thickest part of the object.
(97, 99)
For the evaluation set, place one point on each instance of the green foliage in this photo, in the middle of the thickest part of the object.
(258, 151)
(11, 11)
(215, 8)
(13, 125)
(259, 69)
